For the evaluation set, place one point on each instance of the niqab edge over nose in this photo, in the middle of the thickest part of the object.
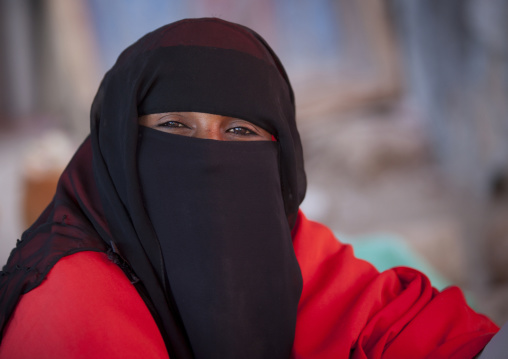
(226, 267)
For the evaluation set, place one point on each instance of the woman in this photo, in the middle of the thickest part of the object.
(162, 240)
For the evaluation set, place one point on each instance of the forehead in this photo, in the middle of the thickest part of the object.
(188, 116)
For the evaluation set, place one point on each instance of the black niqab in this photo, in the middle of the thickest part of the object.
(226, 246)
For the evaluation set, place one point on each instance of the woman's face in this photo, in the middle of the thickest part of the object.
(206, 126)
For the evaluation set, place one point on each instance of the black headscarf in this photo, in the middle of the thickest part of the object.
(199, 65)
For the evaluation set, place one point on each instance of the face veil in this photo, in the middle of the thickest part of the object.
(219, 218)
(206, 230)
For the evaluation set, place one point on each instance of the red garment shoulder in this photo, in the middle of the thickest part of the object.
(86, 308)
(349, 309)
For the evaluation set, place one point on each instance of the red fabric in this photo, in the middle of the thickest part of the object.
(347, 309)
(86, 308)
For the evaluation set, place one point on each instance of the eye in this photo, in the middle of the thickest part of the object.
(173, 124)
(241, 131)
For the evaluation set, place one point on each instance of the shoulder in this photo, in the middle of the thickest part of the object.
(316, 247)
(86, 307)
(348, 306)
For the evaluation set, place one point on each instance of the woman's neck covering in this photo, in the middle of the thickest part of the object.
(200, 65)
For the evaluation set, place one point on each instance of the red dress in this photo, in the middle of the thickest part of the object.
(87, 308)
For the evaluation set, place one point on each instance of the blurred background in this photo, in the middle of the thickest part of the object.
(402, 107)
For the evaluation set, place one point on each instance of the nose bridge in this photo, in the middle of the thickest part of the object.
(208, 127)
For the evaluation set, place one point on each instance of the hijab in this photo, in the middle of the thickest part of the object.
(201, 227)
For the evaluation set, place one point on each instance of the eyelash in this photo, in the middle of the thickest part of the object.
(173, 124)
(247, 132)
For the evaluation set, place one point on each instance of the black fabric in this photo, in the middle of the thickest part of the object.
(231, 84)
(218, 213)
(107, 210)
(72, 222)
